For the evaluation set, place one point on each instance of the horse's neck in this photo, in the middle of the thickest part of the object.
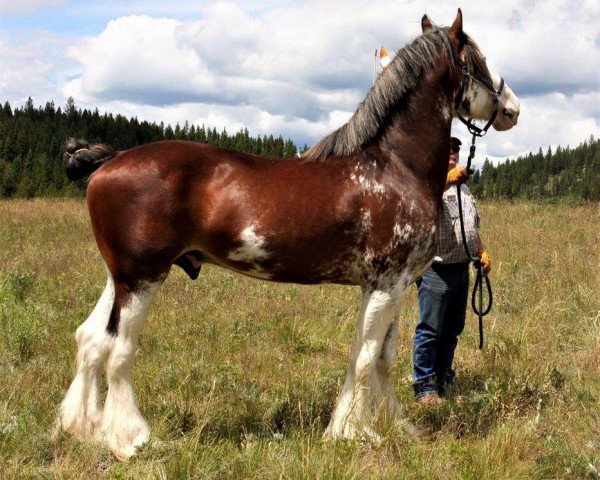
(418, 135)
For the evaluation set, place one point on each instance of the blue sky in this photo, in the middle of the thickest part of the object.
(290, 67)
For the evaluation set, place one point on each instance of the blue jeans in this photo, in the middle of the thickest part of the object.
(443, 292)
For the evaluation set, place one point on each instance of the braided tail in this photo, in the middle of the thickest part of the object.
(83, 158)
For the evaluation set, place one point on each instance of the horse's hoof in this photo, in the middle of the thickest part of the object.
(125, 445)
(124, 453)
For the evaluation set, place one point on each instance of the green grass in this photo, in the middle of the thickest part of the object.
(237, 377)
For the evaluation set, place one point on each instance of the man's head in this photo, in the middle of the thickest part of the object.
(455, 144)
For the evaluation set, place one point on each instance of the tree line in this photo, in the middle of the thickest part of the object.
(31, 162)
(32, 138)
(571, 174)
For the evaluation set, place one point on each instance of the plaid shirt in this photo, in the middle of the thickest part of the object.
(450, 247)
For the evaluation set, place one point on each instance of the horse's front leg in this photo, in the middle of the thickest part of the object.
(367, 388)
(384, 368)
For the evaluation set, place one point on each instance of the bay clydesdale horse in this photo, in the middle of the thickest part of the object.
(359, 208)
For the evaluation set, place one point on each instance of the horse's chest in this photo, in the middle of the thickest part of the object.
(404, 245)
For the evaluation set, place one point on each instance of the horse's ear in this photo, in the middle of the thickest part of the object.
(426, 24)
(456, 31)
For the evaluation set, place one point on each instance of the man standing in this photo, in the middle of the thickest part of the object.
(444, 287)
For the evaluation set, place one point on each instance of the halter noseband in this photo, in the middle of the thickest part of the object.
(496, 94)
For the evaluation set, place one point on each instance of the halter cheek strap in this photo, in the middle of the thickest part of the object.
(496, 94)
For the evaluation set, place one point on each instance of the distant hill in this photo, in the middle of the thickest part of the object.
(570, 174)
(31, 141)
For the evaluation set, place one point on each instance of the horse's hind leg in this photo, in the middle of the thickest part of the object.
(80, 411)
(123, 428)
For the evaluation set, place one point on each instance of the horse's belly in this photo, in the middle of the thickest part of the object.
(295, 266)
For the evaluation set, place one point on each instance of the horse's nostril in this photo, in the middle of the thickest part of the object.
(508, 112)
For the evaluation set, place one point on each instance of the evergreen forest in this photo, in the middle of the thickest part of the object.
(31, 157)
(570, 174)
(32, 139)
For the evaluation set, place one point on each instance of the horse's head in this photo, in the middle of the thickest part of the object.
(482, 88)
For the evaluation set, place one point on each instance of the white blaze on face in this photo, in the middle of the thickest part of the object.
(481, 102)
(252, 248)
(509, 107)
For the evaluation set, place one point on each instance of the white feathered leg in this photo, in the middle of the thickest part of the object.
(362, 393)
(385, 363)
(338, 425)
(80, 411)
(123, 429)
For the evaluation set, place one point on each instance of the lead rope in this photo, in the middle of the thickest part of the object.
(479, 276)
(476, 132)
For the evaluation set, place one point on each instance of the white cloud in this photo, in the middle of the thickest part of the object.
(543, 46)
(137, 58)
(233, 118)
(300, 68)
(27, 6)
(28, 67)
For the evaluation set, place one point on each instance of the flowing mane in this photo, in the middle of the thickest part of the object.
(399, 78)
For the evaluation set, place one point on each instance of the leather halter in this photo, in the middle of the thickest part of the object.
(476, 132)
(489, 88)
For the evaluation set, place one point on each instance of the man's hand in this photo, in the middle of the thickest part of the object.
(457, 176)
(486, 262)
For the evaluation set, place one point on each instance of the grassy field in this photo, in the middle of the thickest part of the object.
(237, 377)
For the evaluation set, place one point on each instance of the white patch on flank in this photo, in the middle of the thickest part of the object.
(252, 248)
(371, 185)
(368, 184)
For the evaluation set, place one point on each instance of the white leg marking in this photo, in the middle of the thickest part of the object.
(367, 387)
(385, 363)
(123, 428)
(344, 404)
(80, 411)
